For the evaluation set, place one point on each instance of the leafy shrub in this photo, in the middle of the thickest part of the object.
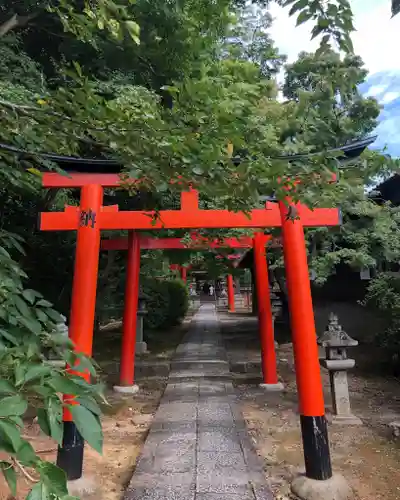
(166, 302)
(179, 301)
(28, 380)
(384, 294)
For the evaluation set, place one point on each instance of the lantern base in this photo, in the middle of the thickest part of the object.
(344, 420)
(141, 347)
(272, 387)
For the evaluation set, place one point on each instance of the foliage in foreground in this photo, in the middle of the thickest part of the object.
(28, 380)
(384, 294)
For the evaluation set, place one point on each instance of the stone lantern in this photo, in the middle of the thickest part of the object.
(141, 346)
(60, 329)
(276, 304)
(336, 342)
(276, 307)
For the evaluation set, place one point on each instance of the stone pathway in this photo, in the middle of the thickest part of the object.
(198, 447)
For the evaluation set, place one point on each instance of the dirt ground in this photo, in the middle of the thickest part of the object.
(125, 431)
(125, 422)
(367, 456)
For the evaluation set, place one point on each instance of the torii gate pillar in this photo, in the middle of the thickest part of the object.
(83, 304)
(308, 375)
(127, 370)
(183, 271)
(231, 293)
(265, 319)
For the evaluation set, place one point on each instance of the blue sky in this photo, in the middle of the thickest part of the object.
(374, 39)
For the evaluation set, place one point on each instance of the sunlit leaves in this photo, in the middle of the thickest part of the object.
(12, 405)
(334, 19)
(88, 425)
(105, 15)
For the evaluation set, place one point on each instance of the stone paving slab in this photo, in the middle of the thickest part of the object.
(198, 447)
(226, 496)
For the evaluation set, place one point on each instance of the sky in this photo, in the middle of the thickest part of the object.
(374, 40)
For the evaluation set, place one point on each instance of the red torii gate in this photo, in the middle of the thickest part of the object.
(198, 242)
(259, 241)
(92, 217)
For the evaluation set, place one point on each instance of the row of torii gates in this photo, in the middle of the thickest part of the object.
(91, 217)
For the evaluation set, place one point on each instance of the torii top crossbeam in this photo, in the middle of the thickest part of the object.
(190, 216)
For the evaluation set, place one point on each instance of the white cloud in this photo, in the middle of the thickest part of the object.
(374, 40)
(389, 97)
(376, 90)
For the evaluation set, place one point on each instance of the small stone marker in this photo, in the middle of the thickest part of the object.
(395, 427)
(60, 329)
(336, 342)
(141, 346)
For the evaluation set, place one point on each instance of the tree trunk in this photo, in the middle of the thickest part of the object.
(14, 22)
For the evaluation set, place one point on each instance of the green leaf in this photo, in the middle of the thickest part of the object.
(10, 476)
(44, 303)
(30, 295)
(89, 426)
(6, 387)
(17, 420)
(39, 492)
(303, 17)
(298, 6)
(36, 371)
(133, 30)
(78, 68)
(54, 477)
(31, 324)
(133, 27)
(316, 31)
(10, 433)
(19, 371)
(61, 339)
(43, 421)
(65, 385)
(54, 315)
(9, 336)
(26, 454)
(22, 306)
(12, 405)
(198, 171)
(83, 364)
(395, 7)
(42, 390)
(54, 416)
(91, 404)
(41, 316)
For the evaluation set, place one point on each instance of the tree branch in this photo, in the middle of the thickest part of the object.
(14, 22)
(24, 471)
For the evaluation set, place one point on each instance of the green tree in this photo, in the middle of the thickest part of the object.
(331, 110)
(248, 40)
